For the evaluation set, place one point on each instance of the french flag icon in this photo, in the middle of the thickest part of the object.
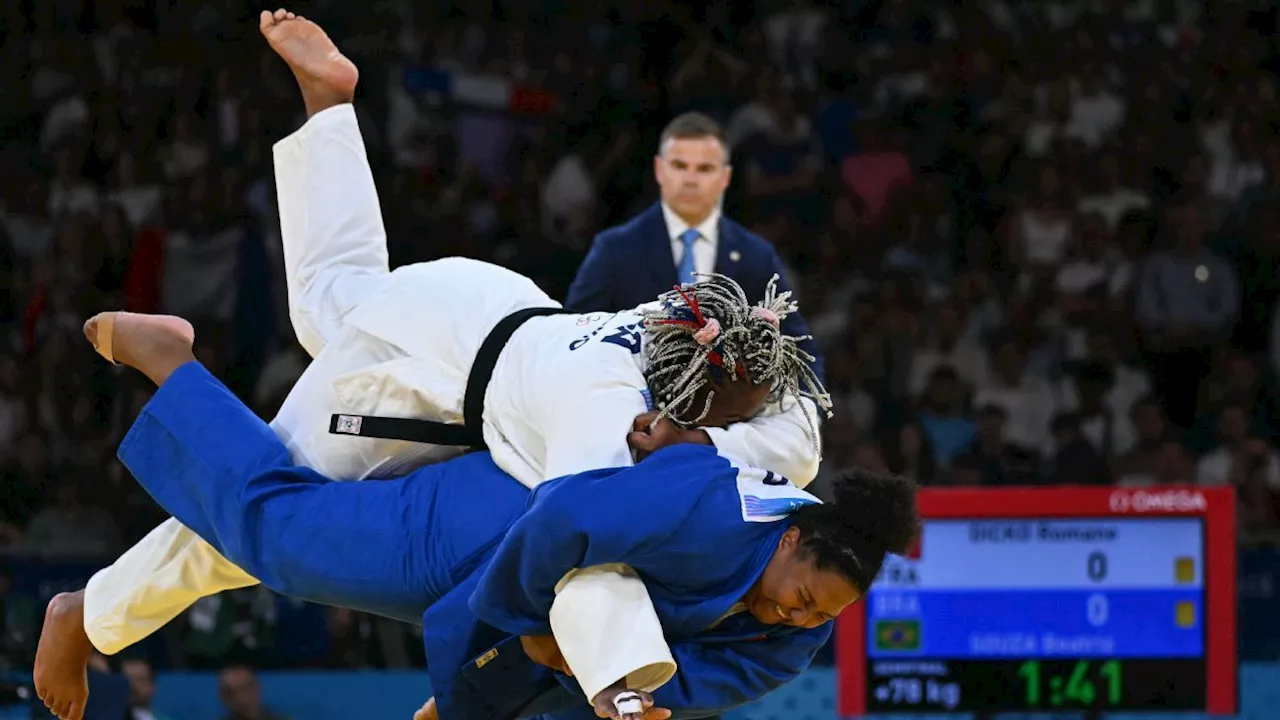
(913, 552)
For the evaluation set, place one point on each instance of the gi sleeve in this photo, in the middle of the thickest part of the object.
(716, 677)
(607, 628)
(596, 518)
(779, 439)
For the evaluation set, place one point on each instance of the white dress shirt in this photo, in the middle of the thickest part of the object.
(704, 248)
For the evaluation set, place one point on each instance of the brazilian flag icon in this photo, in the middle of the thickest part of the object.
(900, 635)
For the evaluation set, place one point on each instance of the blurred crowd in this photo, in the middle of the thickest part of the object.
(1038, 241)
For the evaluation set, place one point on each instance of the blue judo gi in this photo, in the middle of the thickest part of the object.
(476, 557)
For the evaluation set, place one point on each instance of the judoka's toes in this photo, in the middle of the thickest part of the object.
(71, 711)
(62, 656)
(91, 329)
(427, 711)
(325, 76)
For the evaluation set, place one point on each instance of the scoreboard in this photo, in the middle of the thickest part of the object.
(1026, 599)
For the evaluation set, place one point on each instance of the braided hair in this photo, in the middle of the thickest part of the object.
(873, 514)
(700, 336)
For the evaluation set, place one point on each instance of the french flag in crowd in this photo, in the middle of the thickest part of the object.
(489, 92)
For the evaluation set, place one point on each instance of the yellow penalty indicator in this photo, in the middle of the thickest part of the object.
(1184, 570)
(1185, 614)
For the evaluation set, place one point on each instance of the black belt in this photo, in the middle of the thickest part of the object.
(471, 432)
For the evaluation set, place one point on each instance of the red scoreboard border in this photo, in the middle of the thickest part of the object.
(1216, 505)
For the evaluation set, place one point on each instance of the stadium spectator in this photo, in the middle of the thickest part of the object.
(238, 688)
(142, 688)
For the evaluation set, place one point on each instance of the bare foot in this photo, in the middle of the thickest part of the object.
(326, 77)
(62, 656)
(156, 345)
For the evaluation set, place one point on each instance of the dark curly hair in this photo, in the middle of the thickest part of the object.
(873, 514)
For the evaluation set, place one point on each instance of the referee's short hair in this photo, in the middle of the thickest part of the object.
(692, 126)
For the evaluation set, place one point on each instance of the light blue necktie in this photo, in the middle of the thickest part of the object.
(684, 272)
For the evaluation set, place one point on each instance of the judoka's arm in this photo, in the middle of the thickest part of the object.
(588, 611)
(593, 518)
(779, 439)
(715, 678)
(620, 517)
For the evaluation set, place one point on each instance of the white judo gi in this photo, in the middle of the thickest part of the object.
(562, 397)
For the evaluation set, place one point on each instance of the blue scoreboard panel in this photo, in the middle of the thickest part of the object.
(1022, 613)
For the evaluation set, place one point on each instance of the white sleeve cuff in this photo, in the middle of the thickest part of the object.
(607, 629)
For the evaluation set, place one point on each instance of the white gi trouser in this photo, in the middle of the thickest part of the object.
(335, 260)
